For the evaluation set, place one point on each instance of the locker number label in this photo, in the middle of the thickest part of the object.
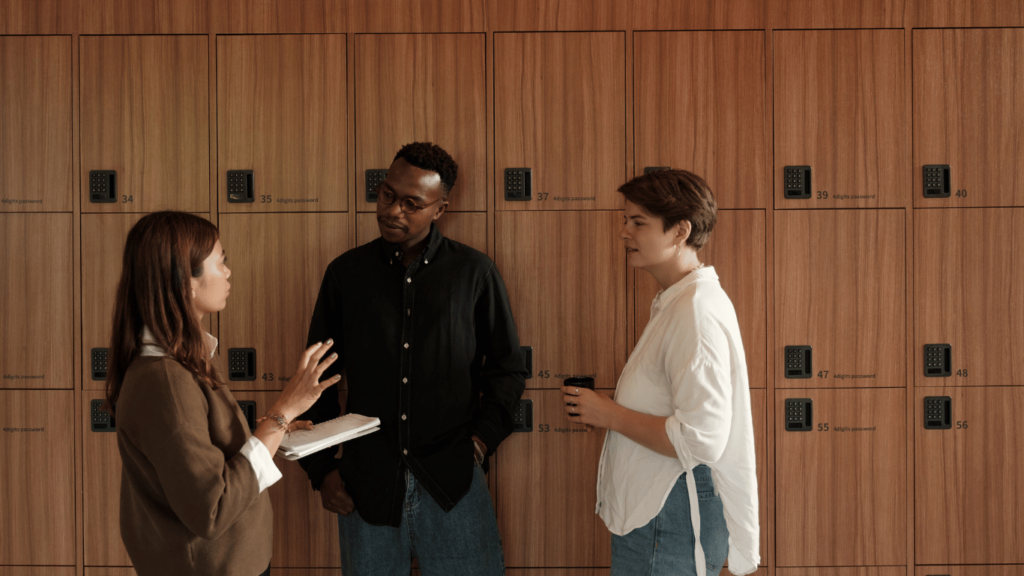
(961, 424)
(962, 373)
(825, 427)
(126, 199)
(548, 428)
(961, 193)
(269, 377)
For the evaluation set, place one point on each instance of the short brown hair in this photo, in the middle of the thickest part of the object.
(674, 196)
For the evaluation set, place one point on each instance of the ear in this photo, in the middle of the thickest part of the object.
(440, 210)
(683, 230)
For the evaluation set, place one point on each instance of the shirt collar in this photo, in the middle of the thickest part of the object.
(390, 252)
(669, 294)
(150, 347)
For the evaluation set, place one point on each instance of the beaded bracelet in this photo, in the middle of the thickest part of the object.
(277, 417)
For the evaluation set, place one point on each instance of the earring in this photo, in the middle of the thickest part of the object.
(193, 293)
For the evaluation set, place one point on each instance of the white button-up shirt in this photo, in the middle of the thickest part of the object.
(267, 473)
(688, 366)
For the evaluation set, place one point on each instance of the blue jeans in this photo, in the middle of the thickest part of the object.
(464, 541)
(665, 545)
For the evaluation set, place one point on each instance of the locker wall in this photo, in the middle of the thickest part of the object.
(586, 93)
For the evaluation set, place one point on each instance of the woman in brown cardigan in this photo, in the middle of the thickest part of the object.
(193, 480)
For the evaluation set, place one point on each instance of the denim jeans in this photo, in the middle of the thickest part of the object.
(462, 542)
(664, 546)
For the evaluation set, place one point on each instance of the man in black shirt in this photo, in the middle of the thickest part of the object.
(425, 336)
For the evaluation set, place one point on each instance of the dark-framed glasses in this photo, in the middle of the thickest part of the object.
(408, 205)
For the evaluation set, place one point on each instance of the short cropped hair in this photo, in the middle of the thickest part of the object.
(428, 156)
(674, 196)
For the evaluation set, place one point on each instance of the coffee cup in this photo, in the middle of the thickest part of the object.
(578, 382)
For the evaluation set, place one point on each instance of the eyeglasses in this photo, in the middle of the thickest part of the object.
(387, 198)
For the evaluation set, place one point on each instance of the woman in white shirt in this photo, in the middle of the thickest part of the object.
(678, 458)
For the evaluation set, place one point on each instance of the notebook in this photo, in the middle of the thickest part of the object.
(326, 434)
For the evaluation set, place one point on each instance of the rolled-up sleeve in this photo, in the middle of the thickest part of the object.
(702, 400)
(267, 473)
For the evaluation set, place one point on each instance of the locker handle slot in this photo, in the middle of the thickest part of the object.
(528, 360)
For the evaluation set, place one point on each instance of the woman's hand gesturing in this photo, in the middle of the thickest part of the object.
(305, 387)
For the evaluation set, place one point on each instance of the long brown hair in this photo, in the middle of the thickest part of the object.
(163, 252)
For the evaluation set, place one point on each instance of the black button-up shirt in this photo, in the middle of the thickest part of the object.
(432, 351)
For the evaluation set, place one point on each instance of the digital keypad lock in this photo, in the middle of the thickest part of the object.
(798, 415)
(374, 178)
(518, 184)
(102, 186)
(248, 408)
(100, 420)
(796, 182)
(938, 412)
(241, 364)
(241, 186)
(522, 418)
(938, 360)
(798, 362)
(936, 181)
(99, 363)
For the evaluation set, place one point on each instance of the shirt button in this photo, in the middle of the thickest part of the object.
(405, 380)
(403, 416)
(406, 344)
(406, 452)
(396, 253)
(425, 261)
(409, 280)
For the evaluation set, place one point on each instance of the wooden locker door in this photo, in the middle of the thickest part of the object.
(37, 571)
(35, 123)
(37, 479)
(839, 108)
(546, 491)
(36, 320)
(965, 116)
(277, 262)
(736, 250)
(837, 13)
(422, 88)
(839, 288)
(840, 494)
(103, 240)
(305, 535)
(968, 278)
(559, 109)
(145, 113)
(968, 498)
(469, 228)
(101, 491)
(699, 105)
(566, 279)
(866, 571)
(282, 113)
(989, 570)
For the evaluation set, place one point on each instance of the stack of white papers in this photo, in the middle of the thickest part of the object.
(326, 434)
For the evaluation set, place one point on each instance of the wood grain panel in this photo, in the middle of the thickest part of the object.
(36, 320)
(840, 109)
(837, 13)
(101, 492)
(546, 496)
(305, 535)
(966, 114)
(840, 289)
(277, 262)
(989, 570)
(559, 108)
(963, 517)
(145, 114)
(566, 279)
(965, 13)
(423, 88)
(417, 15)
(698, 14)
(281, 104)
(736, 250)
(109, 571)
(37, 480)
(840, 495)
(35, 123)
(970, 285)
(470, 228)
(102, 245)
(37, 571)
(555, 15)
(278, 16)
(700, 106)
(38, 16)
(144, 16)
(849, 571)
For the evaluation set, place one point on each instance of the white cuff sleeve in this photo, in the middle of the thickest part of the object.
(262, 464)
